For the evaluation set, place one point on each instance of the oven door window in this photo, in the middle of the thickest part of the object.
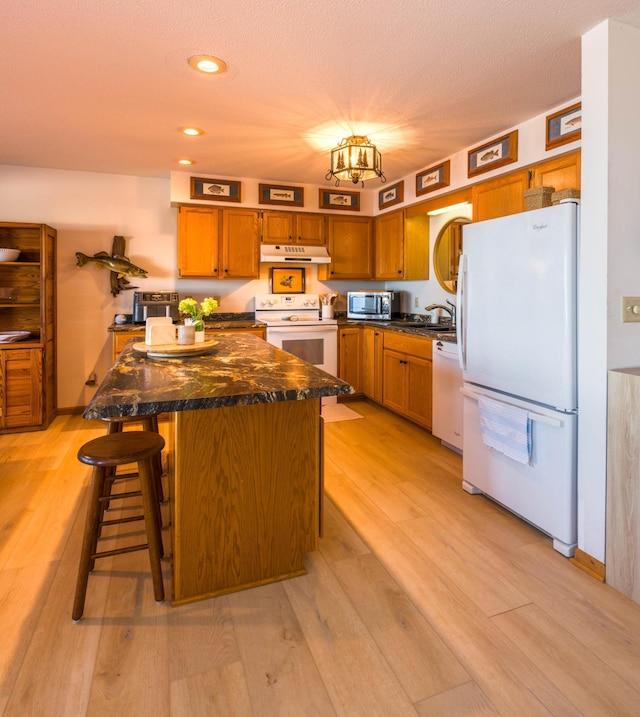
(309, 350)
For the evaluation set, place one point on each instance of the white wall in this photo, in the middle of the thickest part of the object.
(610, 252)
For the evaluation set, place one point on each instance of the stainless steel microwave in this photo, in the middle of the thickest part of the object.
(380, 305)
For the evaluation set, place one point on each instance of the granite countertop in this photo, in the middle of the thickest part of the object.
(429, 331)
(239, 370)
(220, 321)
(247, 321)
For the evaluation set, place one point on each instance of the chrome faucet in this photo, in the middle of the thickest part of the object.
(451, 309)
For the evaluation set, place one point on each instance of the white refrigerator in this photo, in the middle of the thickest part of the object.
(517, 342)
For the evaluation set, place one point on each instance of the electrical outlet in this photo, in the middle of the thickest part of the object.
(631, 308)
(416, 302)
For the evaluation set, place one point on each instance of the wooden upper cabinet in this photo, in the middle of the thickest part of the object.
(500, 196)
(350, 247)
(277, 227)
(560, 172)
(505, 194)
(389, 246)
(240, 257)
(198, 241)
(311, 229)
(218, 243)
(401, 246)
(293, 228)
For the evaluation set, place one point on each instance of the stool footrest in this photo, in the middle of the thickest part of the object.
(120, 496)
(119, 521)
(119, 551)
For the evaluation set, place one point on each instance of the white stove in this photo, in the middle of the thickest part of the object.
(293, 324)
(289, 309)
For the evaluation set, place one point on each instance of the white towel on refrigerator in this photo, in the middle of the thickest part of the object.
(506, 429)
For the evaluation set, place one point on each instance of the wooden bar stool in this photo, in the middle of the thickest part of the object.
(115, 424)
(104, 454)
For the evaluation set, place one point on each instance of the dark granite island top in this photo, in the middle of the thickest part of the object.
(239, 370)
(243, 452)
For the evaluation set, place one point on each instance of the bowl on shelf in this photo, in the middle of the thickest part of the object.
(8, 294)
(9, 254)
(10, 336)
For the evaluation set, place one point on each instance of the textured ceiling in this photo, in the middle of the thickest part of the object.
(104, 85)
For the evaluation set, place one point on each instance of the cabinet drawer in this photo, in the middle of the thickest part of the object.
(414, 345)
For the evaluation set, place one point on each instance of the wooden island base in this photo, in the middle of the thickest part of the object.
(246, 495)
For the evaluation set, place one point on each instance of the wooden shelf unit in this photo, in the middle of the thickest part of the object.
(28, 367)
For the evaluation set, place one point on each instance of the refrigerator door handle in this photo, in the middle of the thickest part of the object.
(557, 422)
(462, 313)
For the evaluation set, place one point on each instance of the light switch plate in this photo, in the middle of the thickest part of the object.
(630, 308)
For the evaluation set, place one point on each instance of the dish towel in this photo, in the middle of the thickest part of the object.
(506, 429)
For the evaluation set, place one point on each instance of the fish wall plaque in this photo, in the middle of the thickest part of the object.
(117, 263)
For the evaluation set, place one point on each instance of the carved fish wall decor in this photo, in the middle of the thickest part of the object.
(119, 264)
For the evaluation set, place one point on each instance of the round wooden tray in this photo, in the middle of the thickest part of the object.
(174, 350)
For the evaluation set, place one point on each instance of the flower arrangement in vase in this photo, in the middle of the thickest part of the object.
(194, 313)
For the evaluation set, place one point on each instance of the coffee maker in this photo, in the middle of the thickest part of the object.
(155, 303)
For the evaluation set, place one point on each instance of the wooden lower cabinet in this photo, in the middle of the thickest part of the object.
(372, 363)
(350, 357)
(120, 338)
(407, 373)
(389, 367)
(21, 389)
(244, 486)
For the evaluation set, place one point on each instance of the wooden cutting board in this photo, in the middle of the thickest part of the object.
(174, 350)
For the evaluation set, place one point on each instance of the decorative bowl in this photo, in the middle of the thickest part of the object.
(9, 336)
(9, 254)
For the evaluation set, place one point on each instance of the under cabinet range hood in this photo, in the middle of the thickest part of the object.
(294, 254)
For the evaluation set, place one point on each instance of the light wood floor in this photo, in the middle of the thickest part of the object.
(422, 600)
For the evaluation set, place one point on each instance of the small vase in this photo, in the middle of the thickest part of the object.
(186, 334)
(200, 336)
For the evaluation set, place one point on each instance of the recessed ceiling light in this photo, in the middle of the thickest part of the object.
(186, 161)
(208, 64)
(192, 131)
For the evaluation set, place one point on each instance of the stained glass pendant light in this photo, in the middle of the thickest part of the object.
(355, 159)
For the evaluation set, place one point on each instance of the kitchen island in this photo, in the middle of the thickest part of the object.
(244, 455)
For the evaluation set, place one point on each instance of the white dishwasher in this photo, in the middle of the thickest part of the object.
(448, 404)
